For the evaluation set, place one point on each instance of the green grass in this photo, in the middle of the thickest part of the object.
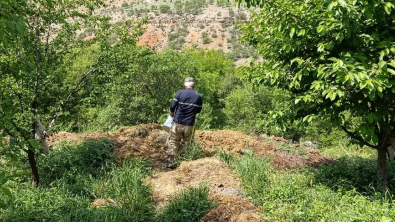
(73, 176)
(290, 149)
(338, 192)
(193, 151)
(190, 205)
(349, 150)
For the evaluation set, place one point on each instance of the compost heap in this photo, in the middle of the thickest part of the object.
(149, 142)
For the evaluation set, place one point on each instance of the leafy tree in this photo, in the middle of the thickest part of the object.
(215, 81)
(139, 85)
(337, 57)
(31, 80)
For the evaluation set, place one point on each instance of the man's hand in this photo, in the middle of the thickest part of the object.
(172, 114)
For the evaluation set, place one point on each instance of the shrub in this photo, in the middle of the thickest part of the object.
(67, 161)
(190, 205)
(206, 40)
(164, 9)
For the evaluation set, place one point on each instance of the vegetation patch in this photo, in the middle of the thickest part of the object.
(310, 195)
(189, 205)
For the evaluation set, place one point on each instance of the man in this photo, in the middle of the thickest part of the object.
(184, 108)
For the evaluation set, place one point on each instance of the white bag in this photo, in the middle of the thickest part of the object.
(167, 124)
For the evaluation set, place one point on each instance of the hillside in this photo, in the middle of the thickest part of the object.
(201, 24)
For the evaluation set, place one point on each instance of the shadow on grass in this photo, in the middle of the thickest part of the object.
(354, 172)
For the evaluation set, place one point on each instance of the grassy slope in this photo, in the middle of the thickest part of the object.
(339, 192)
(73, 177)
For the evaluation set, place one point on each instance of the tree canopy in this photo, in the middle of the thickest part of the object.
(337, 57)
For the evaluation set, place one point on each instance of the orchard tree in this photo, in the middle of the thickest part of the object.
(39, 35)
(337, 57)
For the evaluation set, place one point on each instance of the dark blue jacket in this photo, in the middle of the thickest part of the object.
(187, 104)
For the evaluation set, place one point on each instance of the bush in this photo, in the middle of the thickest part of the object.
(67, 161)
(164, 9)
(189, 205)
(247, 108)
(206, 40)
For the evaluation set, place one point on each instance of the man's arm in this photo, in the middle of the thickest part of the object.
(174, 105)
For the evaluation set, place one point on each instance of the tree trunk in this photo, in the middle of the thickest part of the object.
(382, 163)
(33, 166)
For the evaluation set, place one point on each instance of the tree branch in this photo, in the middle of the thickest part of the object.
(77, 88)
(357, 137)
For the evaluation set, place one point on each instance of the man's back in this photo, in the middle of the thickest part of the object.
(187, 104)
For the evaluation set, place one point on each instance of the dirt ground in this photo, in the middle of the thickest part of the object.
(149, 142)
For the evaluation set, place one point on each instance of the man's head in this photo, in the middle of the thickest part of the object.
(189, 83)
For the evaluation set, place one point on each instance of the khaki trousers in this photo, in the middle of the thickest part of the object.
(178, 132)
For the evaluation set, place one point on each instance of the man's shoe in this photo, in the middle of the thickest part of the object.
(170, 165)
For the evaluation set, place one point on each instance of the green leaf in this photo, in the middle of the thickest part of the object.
(332, 95)
(35, 144)
(320, 28)
(49, 3)
(387, 7)
(301, 32)
(342, 3)
(2, 177)
(7, 192)
(391, 71)
(382, 64)
(375, 138)
(291, 34)
(371, 118)
(362, 85)
(331, 5)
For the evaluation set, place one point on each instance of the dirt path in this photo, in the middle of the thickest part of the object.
(224, 189)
